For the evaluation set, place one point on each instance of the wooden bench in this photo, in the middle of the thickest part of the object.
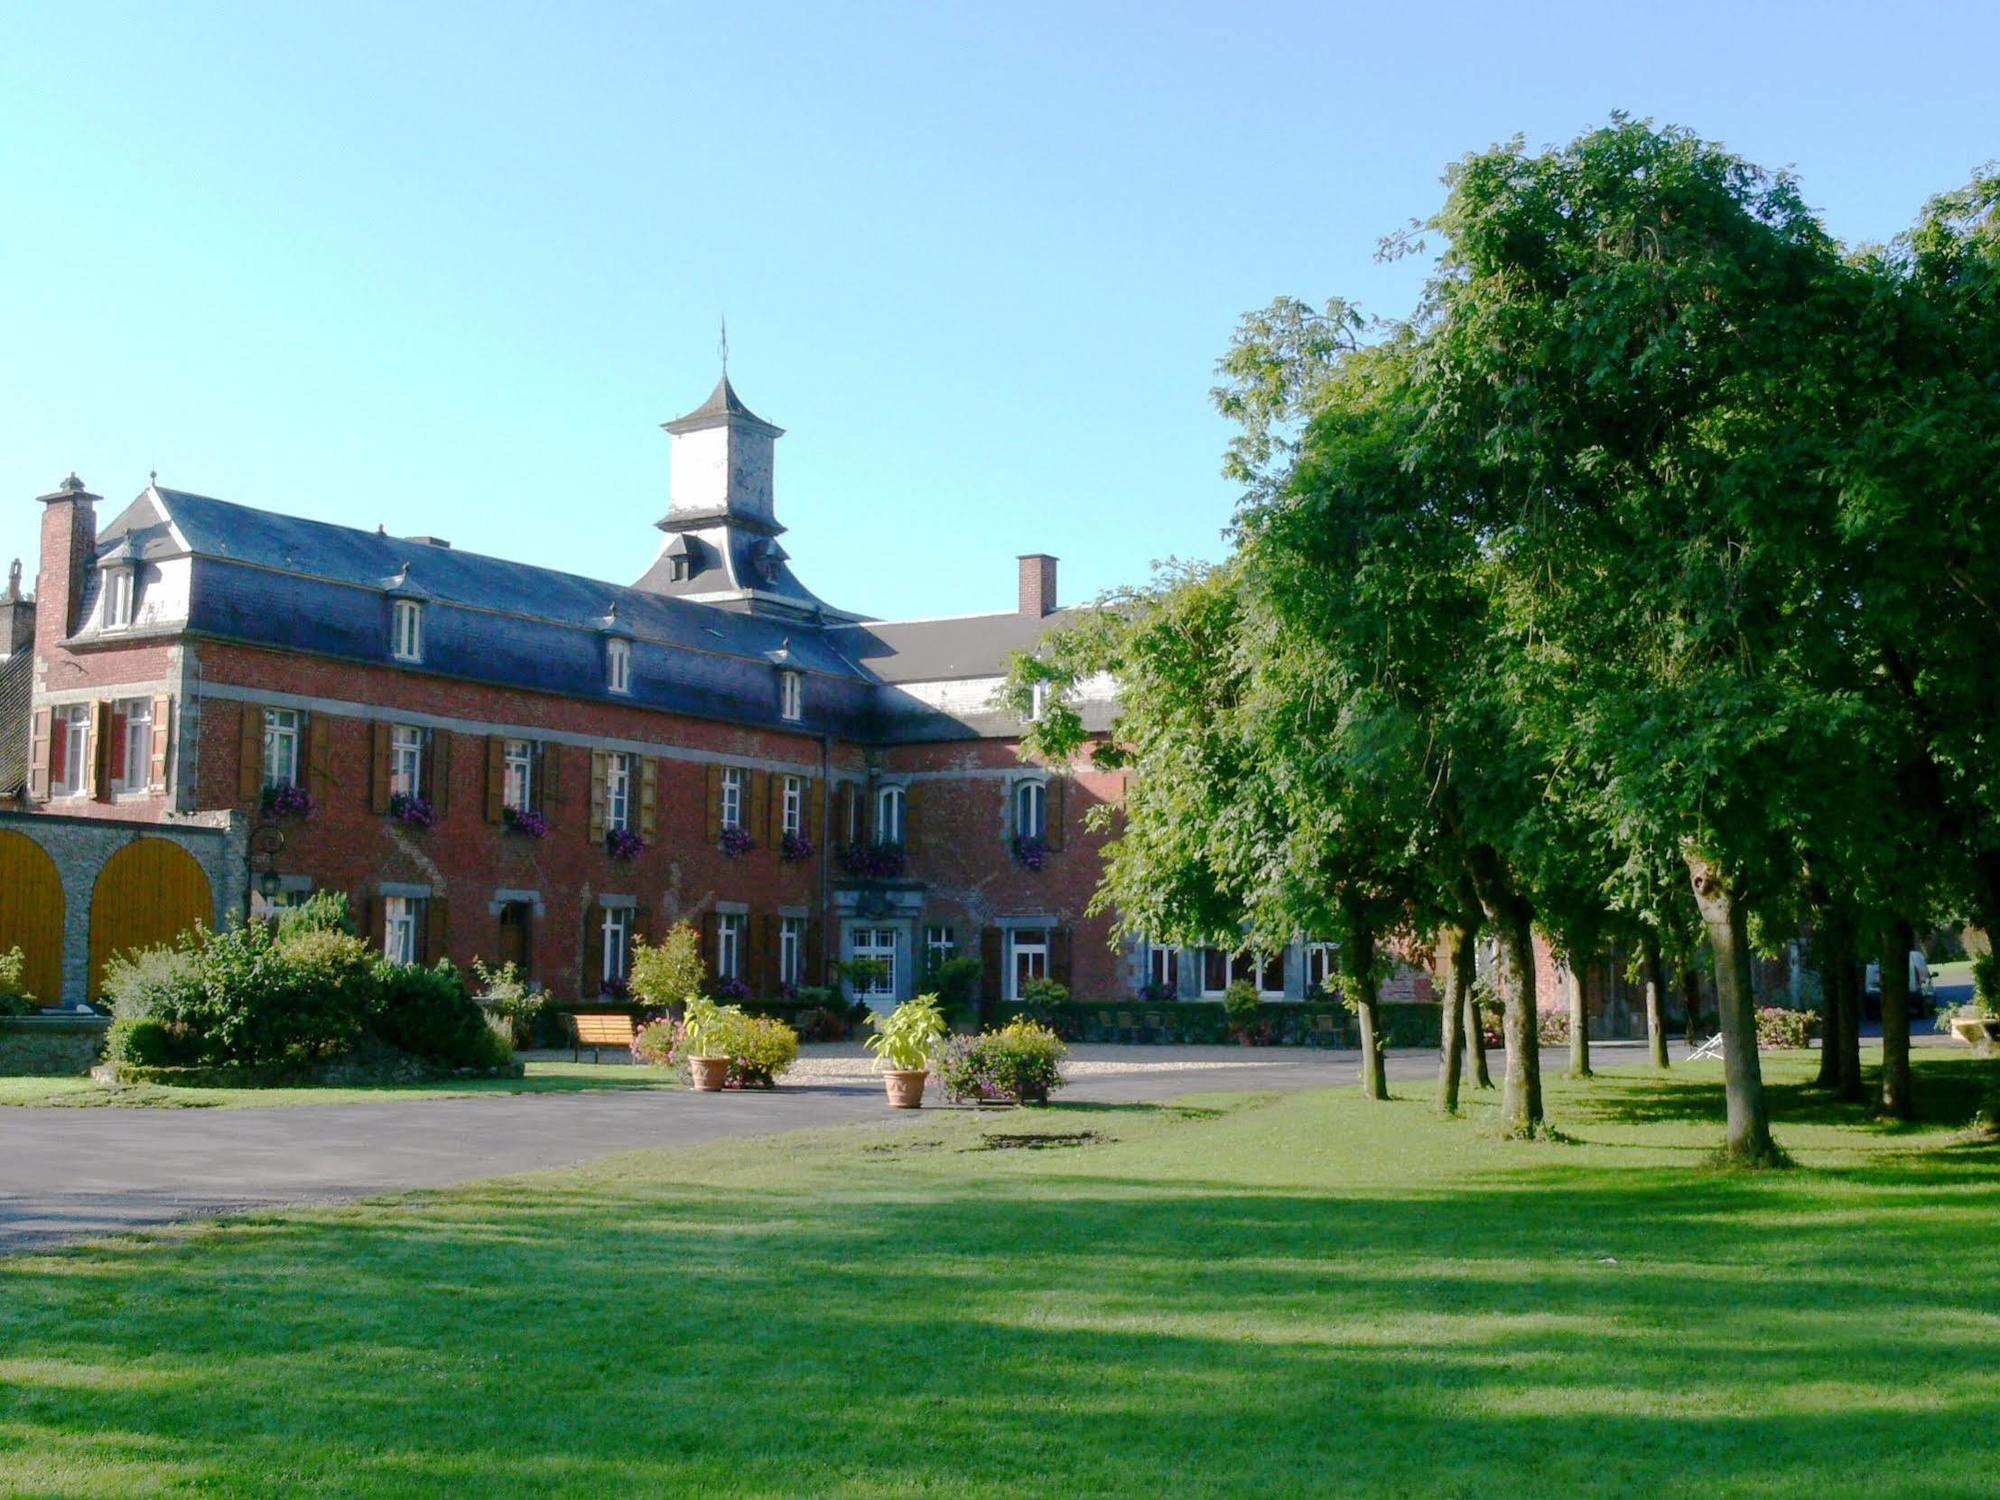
(598, 1030)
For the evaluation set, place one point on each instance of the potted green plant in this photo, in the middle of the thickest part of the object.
(902, 1044)
(703, 1033)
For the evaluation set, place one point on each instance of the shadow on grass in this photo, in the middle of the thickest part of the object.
(1949, 1092)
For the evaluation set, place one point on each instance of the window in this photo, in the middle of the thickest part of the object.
(406, 637)
(1264, 971)
(1027, 958)
(118, 597)
(517, 781)
(1322, 968)
(939, 947)
(732, 797)
(614, 948)
(1031, 810)
(851, 832)
(1267, 972)
(281, 747)
(618, 665)
(132, 721)
(794, 813)
(400, 925)
(791, 950)
(406, 760)
(889, 815)
(877, 945)
(791, 695)
(729, 945)
(1163, 971)
(617, 791)
(69, 751)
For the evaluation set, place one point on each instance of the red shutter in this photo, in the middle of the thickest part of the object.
(119, 722)
(101, 739)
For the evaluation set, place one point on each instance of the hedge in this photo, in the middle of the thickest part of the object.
(1294, 1024)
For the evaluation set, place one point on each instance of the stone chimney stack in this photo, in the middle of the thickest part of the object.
(17, 616)
(69, 542)
(1038, 584)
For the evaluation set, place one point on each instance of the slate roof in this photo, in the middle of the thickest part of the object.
(944, 649)
(17, 681)
(722, 403)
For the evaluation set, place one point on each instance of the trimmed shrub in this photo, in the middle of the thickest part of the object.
(430, 1014)
(261, 999)
(1241, 1005)
(1778, 1027)
(142, 981)
(1021, 1062)
(144, 1043)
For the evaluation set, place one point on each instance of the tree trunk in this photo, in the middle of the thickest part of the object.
(1897, 941)
(1850, 1033)
(1655, 971)
(1455, 945)
(1579, 1024)
(1836, 964)
(1361, 977)
(1691, 1003)
(1475, 1040)
(1748, 1141)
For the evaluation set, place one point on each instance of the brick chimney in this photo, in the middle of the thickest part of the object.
(1038, 584)
(17, 616)
(69, 542)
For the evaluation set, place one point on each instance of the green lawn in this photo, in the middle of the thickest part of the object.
(1258, 1295)
(542, 1078)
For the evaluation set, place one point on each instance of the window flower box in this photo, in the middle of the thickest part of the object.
(732, 989)
(1031, 853)
(417, 812)
(623, 843)
(795, 847)
(736, 842)
(873, 861)
(526, 822)
(289, 802)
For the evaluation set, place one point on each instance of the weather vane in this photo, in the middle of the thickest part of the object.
(723, 347)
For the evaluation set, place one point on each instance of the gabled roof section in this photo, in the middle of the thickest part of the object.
(946, 650)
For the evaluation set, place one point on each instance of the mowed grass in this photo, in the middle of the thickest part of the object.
(1242, 1295)
(541, 1078)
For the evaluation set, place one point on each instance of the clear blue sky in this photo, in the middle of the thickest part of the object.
(447, 268)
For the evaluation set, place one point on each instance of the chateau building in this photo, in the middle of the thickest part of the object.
(499, 760)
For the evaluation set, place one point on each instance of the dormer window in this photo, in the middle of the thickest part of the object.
(406, 635)
(791, 695)
(117, 598)
(618, 665)
(677, 569)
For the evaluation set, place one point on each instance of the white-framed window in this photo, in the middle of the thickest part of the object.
(729, 945)
(517, 780)
(877, 944)
(618, 665)
(614, 946)
(794, 807)
(889, 804)
(133, 718)
(1031, 810)
(791, 950)
(939, 947)
(401, 918)
(406, 760)
(281, 747)
(1267, 972)
(1221, 968)
(1322, 967)
(732, 796)
(791, 695)
(1027, 958)
(617, 791)
(118, 598)
(69, 773)
(1163, 969)
(406, 634)
(1038, 702)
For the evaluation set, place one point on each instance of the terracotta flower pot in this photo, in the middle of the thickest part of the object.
(707, 1073)
(906, 1089)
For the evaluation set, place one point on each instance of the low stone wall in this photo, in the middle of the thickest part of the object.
(51, 1045)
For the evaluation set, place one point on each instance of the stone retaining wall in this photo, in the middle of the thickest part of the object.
(51, 1045)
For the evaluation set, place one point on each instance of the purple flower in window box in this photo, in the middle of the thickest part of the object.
(289, 802)
(526, 822)
(1153, 992)
(873, 861)
(418, 812)
(616, 989)
(1032, 853)
(795, 847)
(736, 842)
(732, 989)
(623, 843)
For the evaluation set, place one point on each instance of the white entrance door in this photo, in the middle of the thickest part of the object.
(877, 944)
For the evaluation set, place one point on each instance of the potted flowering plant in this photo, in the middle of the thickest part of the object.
(288, 802)
(417, 812)
(903, 1042)
(527, 822)
(704, 1046)
(736, 842)
(795, 847)
(1032, 852)
(623, 843)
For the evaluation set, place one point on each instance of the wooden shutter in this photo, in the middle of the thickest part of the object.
(642, 925)
(773, 824)
(378, 780)
(711, 925)
(1053, 810)
(120, 725)
(319, 755)
(496, 777)
(371, 914)
(1059, 951)
(912, 799)
(757, 962)
(590, 961)
(435, 942)
(714, 803)
(437, 770)
(548, 779)
(816, 810)
(649, 797)
(161, 749)
(598, 764)
(843, 812)
(40, 751)
(810, 968)
(992, 951)
(250, 754)
(101, 739)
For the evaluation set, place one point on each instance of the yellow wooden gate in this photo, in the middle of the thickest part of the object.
(148, 893)
(31, 913)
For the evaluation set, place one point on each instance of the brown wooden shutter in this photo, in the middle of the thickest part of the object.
(371, 914)
(599, 763)
(1059, 956)
(250, 754)
(816, 817)
(496, 778)
(913, 798)
(773, 825)
(378, 780)
(649, 798)
(41, 766)
(757, 961)
(437, 771)
(757, 816)
(843, 813)
(101, 739)
(590, 960)
(714, 803)
(711, 926)
(319, 755)
(161, 749)
(992, 949)
(1053, 811)
(435, 942)
(548, 780)
(642, 925)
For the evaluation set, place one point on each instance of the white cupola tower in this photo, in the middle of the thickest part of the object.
(722, 460)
